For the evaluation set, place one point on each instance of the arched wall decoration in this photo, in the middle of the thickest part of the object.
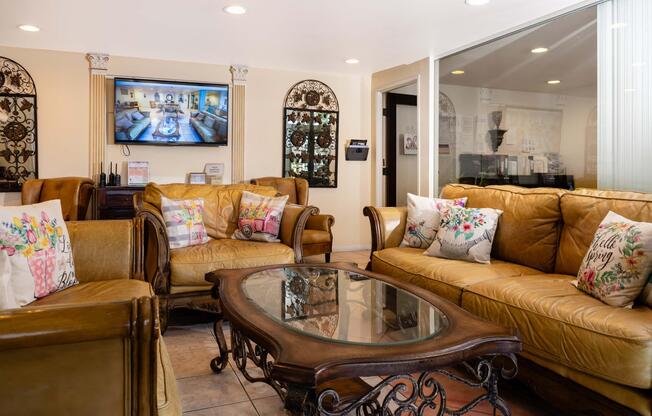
(310, 134)
(18, 130)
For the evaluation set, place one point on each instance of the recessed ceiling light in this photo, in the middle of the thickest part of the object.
(235, 9)
(29, 28)
(457, 72)
(352, 61)
(539, 50)
(554, 82)
(477, 2)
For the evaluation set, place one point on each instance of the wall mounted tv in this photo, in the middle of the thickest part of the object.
(171, 113)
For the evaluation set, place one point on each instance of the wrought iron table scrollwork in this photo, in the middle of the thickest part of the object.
(409, 394)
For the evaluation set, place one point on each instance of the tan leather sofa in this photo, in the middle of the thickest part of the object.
(75, 194)
(600, 352)
(317, 236)
(178, 276)
(94, 348)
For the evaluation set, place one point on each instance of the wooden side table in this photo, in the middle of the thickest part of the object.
(116, 202)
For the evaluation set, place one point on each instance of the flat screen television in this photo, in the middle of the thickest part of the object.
(171, 113)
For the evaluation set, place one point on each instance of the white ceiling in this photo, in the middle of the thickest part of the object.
(509, 64)
(312, 35)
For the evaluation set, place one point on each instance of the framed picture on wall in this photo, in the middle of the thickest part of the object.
(409, 144)
(197, 178)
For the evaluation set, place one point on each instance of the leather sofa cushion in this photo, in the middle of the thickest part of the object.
(315, 237)
(582, 212)
(561, 324)
(98, 291)
(221, 202)
(445, 277)
(189, 265)
(528, 230)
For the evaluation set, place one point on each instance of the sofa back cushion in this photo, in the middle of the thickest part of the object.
(529, 227)
(221, 202)
(582, 212)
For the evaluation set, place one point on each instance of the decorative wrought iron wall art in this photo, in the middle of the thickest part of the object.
(17, 126)
(310, 129)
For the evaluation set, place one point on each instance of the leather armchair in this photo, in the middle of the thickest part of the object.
(317, 236)
(94, 348)
(74, 193)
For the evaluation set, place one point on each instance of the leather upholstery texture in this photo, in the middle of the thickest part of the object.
(583, 210)
(221, 202)
(295, 188)
(529, 227)
(98, 291)
(315, 236)
(447, 278)
(103, 250)
(189, 265)
(74, 193)
(560, 323)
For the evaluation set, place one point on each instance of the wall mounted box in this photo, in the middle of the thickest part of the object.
(357, 150)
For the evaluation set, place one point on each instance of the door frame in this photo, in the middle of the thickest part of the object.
(391, 139)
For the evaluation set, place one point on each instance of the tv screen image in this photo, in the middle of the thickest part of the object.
(170, 113)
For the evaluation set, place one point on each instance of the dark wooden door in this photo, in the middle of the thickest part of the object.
(391, 143)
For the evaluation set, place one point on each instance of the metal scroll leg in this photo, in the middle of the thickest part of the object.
(219, 363)
(300, 400)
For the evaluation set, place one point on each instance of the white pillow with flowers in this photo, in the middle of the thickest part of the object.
(35, 253)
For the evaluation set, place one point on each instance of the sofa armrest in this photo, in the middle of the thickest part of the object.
(156, 245)
(105, 353)
(292, 225)
(321, 222)
(106, 250)
(387, 226)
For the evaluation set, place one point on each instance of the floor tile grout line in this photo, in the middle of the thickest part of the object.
(213, 407)
(245, 390)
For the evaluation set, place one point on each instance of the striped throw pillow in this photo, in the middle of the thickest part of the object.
(184, 221)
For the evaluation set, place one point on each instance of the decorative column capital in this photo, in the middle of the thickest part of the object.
(98, 61)
(239, 74)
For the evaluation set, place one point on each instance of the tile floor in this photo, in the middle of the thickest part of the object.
(203, 393)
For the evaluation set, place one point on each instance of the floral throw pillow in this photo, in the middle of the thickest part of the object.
(618, 263)
(184, 221)
(35, 253)
(424, 216)
(259, 217)
(465, 234)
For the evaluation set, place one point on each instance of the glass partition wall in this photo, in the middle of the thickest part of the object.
(523, 109)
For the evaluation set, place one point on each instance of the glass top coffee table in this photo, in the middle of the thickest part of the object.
(316, 330)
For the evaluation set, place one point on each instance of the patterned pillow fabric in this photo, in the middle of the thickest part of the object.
(424, 216)
(35, 252)
(465, 234)
(184, 221)
(618, 263)
(259, 217)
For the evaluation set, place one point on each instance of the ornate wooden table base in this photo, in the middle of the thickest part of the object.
(409, 394)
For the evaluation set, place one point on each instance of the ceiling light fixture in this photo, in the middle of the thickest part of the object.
(29, 28)
(554, 82)
(539, 50)
(477, 2)
(235, 9)
(457, 72)
(352, 61)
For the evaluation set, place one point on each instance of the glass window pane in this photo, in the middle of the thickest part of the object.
(522, 109)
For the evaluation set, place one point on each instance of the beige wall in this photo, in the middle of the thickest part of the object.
(63, 101)
(423, 73)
